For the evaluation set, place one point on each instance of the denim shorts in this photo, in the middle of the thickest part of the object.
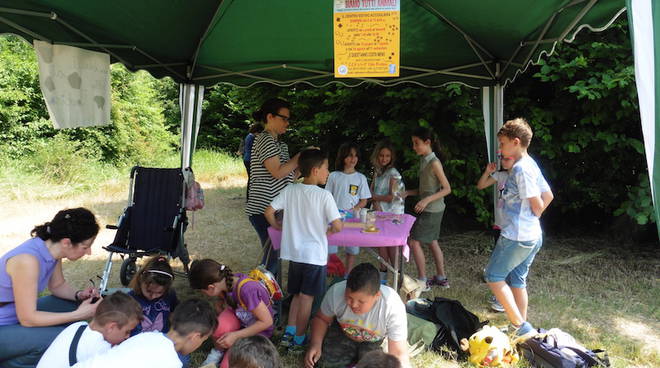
(333, 249)
(511, 260)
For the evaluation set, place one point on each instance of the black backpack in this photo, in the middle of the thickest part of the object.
(455, 323)
(542, 352)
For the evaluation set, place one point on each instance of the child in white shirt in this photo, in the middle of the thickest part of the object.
(191, 323)
(350, 190)
(115, 317)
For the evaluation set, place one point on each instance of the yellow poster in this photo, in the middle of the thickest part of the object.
(366, 38)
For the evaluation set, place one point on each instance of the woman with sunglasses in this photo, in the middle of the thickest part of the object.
(29, 323)
(271, 169)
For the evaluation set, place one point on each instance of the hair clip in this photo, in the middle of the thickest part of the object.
(48, 229)
(67, 216)
(161, 272)
(222, 267)
(161, 259)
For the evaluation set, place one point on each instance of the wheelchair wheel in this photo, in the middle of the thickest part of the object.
(128, 270)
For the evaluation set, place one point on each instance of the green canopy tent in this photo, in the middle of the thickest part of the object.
(480, 43)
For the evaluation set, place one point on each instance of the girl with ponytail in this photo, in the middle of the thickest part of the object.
(433, 188)
(247, 314)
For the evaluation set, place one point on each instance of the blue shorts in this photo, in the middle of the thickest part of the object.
(333, 249)
(511, 260)
(306, 278)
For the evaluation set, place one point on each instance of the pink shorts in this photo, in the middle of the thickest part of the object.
(227, 322)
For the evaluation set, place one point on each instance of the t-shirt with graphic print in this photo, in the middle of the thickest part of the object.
(156, 313)
(525, 181)
(500, 178)
(387, 317)
(252, 293)
(347, 189)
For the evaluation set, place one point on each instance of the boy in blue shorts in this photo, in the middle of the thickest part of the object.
(308, 210)
(526, 195)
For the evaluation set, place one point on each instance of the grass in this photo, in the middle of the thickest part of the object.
(604, 295)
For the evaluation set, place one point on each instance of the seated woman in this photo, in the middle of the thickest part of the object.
(28, 323)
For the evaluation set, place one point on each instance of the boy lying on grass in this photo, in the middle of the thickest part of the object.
(355, 316)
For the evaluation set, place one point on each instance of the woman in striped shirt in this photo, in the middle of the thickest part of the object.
(270, 169)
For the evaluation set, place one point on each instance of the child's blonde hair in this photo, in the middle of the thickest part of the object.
(517, 128)
(157, 271)
(118, 307)
(374, 157)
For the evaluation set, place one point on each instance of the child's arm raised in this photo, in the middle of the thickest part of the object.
(263, 320)
(269, 213)
(320, 325)
(486, 180)
(446, 188)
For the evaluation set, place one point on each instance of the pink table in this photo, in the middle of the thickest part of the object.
(390, 235)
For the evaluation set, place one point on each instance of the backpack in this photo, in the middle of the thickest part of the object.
(266, 279)
(194, 194)
(558, 349)
(454, 323)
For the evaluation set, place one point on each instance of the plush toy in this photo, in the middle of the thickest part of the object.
(490, 347)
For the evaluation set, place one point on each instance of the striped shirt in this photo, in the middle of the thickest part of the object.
(263, 186)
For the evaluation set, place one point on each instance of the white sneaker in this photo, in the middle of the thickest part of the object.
(214, 357)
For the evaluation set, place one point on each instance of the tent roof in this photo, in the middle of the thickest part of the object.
(476, 42)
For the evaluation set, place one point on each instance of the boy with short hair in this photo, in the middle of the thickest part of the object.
(357, 314)
(526, 195)
(191, 323)
(308, 210)
(254, 352)
(115, 317)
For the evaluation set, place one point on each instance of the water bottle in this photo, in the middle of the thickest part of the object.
(398, 192)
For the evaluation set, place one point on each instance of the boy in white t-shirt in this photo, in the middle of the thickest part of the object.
(115, 317)
(349, 189)
(191, 324)
(355, 316)
(526, 195)
(308, 210)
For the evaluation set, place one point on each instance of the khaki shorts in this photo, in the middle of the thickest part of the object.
(427, 227)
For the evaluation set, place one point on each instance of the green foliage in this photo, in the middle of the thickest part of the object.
(137, 132)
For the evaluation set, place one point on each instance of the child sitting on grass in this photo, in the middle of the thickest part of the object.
(244, 315)
(151, 287)
(355, 316)
(191, 324)
(115, 317)
(254, 352)
(308, 210)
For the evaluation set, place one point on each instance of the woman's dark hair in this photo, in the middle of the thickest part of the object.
(374, 157)
(427, 134)
(254, 352)
(365, 278)
(256, 128)
(343, 152)
(157, 271)
(271, 106)
(77, 224)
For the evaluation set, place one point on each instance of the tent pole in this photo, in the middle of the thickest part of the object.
(644, 23)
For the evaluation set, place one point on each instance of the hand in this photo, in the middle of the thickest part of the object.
(90, 292)
(313, 355)
(491, 168)
(421, 205)
(227, 340)
(86, 309)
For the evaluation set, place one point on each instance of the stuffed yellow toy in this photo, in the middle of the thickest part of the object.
(490, 347)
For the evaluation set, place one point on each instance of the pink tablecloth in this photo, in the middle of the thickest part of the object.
(390, 235)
